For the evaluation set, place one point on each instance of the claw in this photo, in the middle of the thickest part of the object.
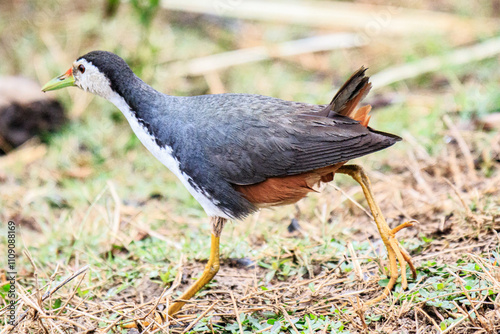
(404, 225)
(160, 319)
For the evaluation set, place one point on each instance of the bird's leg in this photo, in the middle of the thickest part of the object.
(395, 251)
(210, 271)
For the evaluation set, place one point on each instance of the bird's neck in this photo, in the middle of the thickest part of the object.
(138, 96)
(146, 109)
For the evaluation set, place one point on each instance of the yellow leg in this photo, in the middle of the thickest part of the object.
(211, 269)
(395, 251)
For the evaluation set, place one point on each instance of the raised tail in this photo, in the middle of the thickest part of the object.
(346, 101)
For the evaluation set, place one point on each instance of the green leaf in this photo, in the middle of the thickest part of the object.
(165, 277)
(427, 240)
(442, 325)
(270, 275)
(57, 303)
(383, 282)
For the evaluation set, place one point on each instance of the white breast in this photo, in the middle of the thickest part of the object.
(164, 155)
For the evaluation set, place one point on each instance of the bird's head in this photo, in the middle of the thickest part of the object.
(96, 72)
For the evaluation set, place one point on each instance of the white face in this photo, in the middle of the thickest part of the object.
(90, 79)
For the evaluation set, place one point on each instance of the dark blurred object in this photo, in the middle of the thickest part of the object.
(111, 7)
(241, 263)
(25, 112)
(294, 226)
(26, 222)
(495, 8)
(490, 122)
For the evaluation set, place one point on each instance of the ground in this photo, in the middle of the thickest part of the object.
(90, 203)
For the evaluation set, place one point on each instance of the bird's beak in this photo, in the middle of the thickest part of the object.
(65, 80)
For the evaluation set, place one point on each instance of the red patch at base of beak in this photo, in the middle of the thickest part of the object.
(69, 72)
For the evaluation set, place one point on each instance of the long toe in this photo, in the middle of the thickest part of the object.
(405, 256)
(142, 325)
(408, 260)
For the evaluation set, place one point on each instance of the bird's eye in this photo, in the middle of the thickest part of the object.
(81, 68)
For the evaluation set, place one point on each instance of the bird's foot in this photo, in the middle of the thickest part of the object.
(162, 318)
(396, 253)
(211, 269)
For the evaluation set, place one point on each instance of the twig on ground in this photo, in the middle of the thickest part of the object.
(483, 50)
(50, 293)
(115, 228)
(236, 312)
(287, 317)
(191, 325)
(336, 14)
(429, 317)
(210, 64)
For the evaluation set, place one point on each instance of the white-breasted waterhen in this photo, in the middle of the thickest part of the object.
(236, 153)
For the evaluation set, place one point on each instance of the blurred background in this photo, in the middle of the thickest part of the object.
(83, 190)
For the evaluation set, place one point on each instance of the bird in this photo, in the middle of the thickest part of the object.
(239, 153)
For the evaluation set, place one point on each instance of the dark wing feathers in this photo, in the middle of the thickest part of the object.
(293, 144)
